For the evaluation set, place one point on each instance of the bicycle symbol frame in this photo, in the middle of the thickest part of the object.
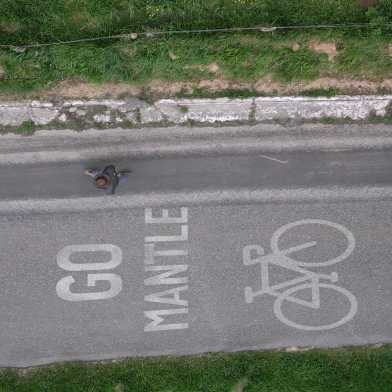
(285, 292)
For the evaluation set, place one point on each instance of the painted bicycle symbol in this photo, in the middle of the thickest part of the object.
(309, 281)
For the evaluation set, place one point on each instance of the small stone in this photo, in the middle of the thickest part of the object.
(19, 49)
(150, 115)
(119, 388)
(103, 118)
(173, 56)
(213, 68)
(267, 29)
(240, 386)
(292, 349)
(43, 116)
(132, 117)
(296, 47)
(63, 117)
(80, 112)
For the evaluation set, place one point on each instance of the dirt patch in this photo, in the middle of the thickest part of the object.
(386, 85)
(268, 86)
(2, 73)
(80, 89)
(119, 388)
(173, 56)
(218, 85)
(367, 3)
(345, 85)
(212, 68)
(328, 48)
(296, 47)
(9, 28)
(240, 386)
(158, 89)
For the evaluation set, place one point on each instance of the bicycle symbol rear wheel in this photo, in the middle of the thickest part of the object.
(339, 228)
(285, 298)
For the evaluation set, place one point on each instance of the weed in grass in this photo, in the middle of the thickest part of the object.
(331, 92)
(183, 109)
(300, 65)
(360, 58)
(227, 93)
(27, 128)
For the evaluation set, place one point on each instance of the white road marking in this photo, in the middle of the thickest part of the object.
(273, 159)
(310, 280)
(165, 274)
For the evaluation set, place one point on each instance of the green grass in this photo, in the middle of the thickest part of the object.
(301, 65)
(41, 20)
(357, 370)
(240, 57)
(27, 128)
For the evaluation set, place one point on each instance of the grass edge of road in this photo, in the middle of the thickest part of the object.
(263, 57)
(365, 369)
(236, 64)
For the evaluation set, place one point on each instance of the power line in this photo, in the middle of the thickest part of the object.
(150, 34)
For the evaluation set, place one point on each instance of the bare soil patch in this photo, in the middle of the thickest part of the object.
(2, 73)
(328, 48)
(158, 89)
(212, 68)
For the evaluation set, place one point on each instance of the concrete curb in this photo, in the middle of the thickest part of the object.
(133, 112)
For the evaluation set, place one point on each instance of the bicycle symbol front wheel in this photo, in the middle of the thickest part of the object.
(287, 297)
(339, 228)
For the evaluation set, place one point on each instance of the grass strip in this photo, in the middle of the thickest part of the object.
(284, 58)
(25, 21)
(343, 370)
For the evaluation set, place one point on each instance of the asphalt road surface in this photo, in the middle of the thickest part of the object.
(214, 252)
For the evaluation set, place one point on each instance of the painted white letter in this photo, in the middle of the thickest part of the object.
(64, 262)
(165, 218)
(164, 278)
(171, 296)
(157, 319)
(150, 253)
(63, 288)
